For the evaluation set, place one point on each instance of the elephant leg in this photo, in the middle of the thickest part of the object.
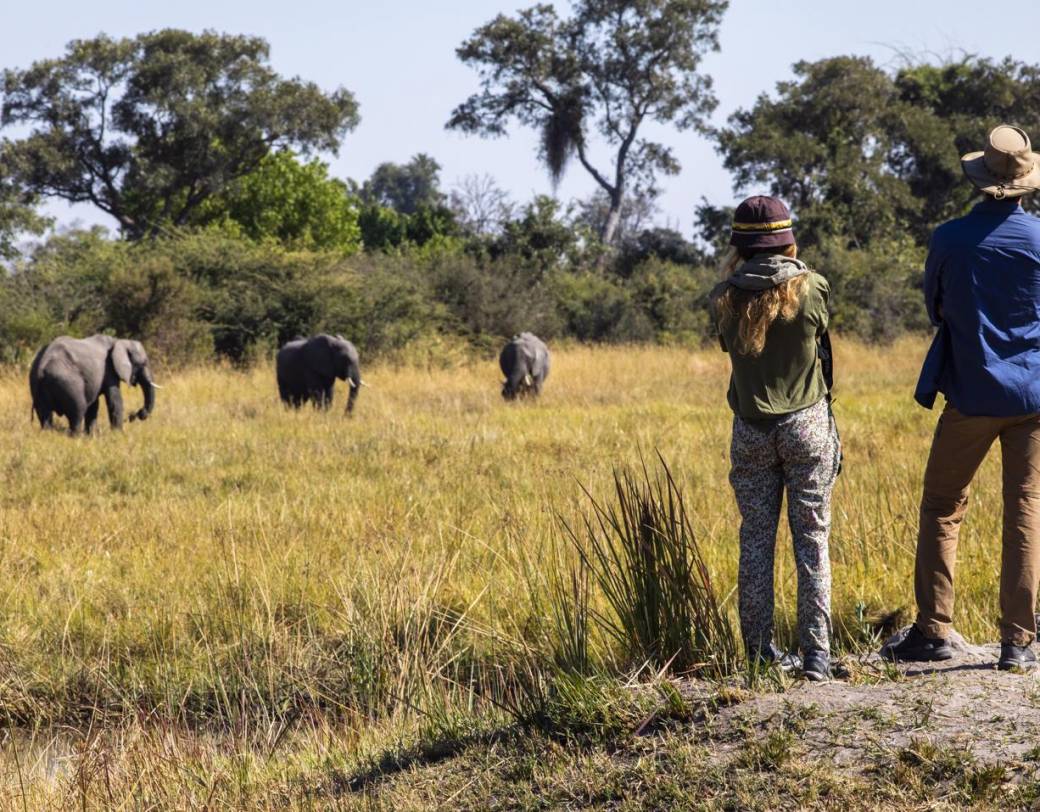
(317, 398)
(326, 395)
(75, 416)
(114, 402)
(90, 416)
(44, 413)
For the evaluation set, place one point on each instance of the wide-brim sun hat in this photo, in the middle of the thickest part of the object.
(1007, 167)
(762, 222)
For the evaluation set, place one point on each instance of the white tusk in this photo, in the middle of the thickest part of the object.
(154, 384)
(352, 384)
(364, 384)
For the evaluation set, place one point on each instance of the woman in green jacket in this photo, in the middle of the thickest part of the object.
(771, 312)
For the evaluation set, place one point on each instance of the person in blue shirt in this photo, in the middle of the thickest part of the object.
(982, 291)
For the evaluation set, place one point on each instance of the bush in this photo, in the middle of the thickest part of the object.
(208, 293)
(595, 308)
(381, 303)
(675, 300)
(488, 301)
(875, 291)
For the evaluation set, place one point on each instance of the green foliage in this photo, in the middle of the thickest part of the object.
(596, 308)
(875, 291)
(382, 229)
(865, 155)
(611, 67)
(675, 300)
(148, 128)
(486, 301)
(18, 215)
(405, 188)
(824, 145)
(540, 237)
(382, 304)
(294, 204)
(387, 230)
(657, 243)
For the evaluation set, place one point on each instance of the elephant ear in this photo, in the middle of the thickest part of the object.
(320, 356)
(120, 355)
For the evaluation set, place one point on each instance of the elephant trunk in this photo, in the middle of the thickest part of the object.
(514, 384)
(354, 383)
(144, 380)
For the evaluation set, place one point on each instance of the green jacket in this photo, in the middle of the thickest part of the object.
(788, 375)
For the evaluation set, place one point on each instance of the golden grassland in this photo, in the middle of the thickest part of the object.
(231, 604)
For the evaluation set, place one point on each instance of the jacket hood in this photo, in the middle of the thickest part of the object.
(764, 271)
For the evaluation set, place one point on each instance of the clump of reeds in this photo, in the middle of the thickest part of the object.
(641, 553)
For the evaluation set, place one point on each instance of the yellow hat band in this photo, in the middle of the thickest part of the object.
(763, 228)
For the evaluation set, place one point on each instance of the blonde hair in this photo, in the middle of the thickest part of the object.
(756, 310)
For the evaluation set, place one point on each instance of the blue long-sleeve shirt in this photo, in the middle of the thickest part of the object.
(982, 290)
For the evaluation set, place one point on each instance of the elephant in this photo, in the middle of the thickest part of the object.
(525, 363)
(69, 376)
(307, 369)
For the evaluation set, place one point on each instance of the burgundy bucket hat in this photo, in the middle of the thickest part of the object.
(762, 222)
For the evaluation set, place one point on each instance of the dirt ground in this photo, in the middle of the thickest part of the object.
(880, 710)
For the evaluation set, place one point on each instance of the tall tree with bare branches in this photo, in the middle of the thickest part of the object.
(609, 68)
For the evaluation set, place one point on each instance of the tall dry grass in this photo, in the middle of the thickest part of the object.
(230, 599)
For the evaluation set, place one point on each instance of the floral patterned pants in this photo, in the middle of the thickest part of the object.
(799, 452)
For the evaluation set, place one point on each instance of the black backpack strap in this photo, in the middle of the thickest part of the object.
(827, 367)
(827, 361)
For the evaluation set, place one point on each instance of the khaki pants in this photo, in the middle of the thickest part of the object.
(960, 445)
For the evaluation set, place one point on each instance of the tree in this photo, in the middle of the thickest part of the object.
(386, 229)
(823, 145)
(18, 216)
(147, 129)
(612, 67)
(405, 188)
(951, 109)
(664, 244)
(636, 213)
(868, 155)
(480, 205)
(540, 236)
(295, 203)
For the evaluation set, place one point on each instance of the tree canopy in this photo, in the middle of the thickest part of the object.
(863, 154)
(405, 188)
(150, 127)
(18, 216)
(292, 203)
(611, 67)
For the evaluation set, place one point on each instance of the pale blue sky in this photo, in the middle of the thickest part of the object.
(398, 58)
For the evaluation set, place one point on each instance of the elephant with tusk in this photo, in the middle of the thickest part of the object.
(307, 369)
(525, 363)
(69, 376)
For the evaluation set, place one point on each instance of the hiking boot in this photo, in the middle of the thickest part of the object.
(772, 657)
(1012, 657)
(917, 648)
(816, 665)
